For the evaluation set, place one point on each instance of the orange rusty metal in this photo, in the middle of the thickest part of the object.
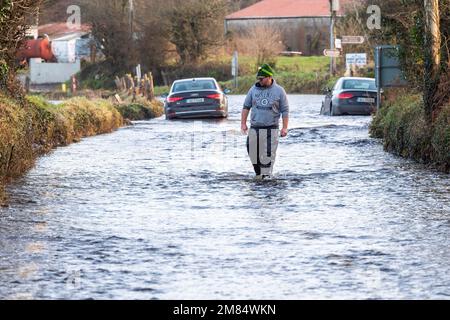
(39, 48)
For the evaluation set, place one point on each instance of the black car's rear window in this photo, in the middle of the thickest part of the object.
(194, 85)
(359, 84)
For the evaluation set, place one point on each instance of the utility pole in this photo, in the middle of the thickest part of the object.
(132, 61)
(131, 17)
(38, 11)
(334, 7)
(433, 33)
(432, 55)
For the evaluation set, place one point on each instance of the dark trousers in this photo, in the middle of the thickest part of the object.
(262, 144)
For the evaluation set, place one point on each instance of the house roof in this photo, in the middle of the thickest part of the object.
(60, 30)
(286, 9)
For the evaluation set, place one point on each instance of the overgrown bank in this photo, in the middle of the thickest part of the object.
(32, 127)
(402, 125)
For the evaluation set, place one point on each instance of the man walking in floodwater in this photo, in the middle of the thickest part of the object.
(267, 101)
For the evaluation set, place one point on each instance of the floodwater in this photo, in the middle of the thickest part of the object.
(170, 210)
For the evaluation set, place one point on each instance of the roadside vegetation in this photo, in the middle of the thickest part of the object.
(403, 126)
(29, 125)
(32, 127)
(414, 121)
(139, 109)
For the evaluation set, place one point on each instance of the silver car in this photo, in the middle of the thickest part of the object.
(196, 98)
(352, 96)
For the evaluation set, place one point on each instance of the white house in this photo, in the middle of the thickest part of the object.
(69, 46)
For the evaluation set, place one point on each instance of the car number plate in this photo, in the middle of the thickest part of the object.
(196, 100)
(371, 100)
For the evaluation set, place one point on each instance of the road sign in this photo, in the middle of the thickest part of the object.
(388, 72)
(331, 53)
(352, 39)
(357, 59)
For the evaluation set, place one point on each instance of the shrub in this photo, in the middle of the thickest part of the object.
(440, 139)
(403, 126)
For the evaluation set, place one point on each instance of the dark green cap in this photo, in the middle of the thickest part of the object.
(265, 71)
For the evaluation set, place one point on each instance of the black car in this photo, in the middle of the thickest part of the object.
(196, 98)
(350, 95)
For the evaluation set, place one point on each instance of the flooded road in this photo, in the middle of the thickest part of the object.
(170, 210)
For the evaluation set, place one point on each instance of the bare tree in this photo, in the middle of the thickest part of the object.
(111, 26)
(262, 41)
(153, 44)
(195, 26)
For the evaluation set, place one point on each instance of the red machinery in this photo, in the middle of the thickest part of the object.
(38, 48)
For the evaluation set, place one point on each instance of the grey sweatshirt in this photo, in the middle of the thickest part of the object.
(266, 104)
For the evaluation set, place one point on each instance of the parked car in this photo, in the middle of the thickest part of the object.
(196, 98)
(350, 95)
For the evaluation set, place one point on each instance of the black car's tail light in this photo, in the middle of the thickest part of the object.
(174, 99)
(345, 96)
(215, 96)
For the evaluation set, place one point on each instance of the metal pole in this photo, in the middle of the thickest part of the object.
(378, 75)
(237, 69)
(37, 16)
(131, 52)
(332, 35)
(131, 17)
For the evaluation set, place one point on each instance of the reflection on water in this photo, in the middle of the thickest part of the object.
(171, 210)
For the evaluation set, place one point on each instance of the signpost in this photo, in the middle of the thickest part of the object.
(235, 68)
(138, 72)
(357, 59)
(334, 7)
(387, 70)
(331, 53)
(352, 39)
